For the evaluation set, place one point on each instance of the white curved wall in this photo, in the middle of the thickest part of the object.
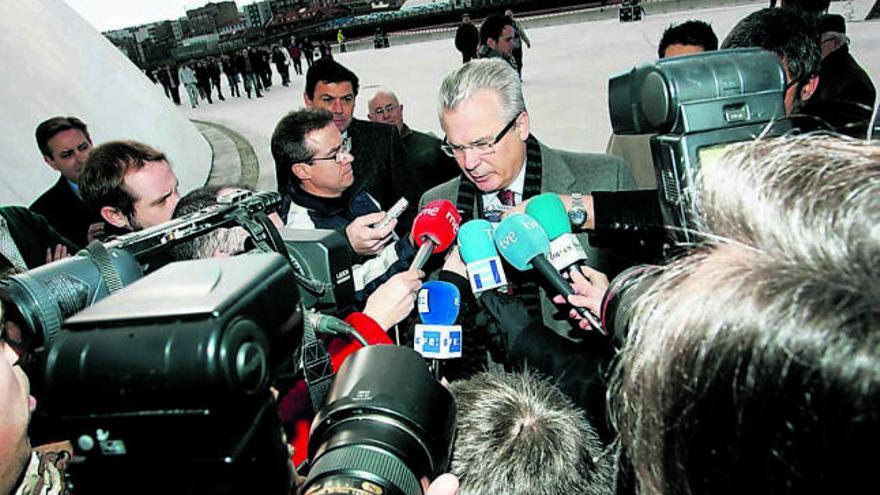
(55, 63)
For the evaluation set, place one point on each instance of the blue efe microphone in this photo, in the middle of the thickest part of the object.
(524, 244)
(476, 245)
(438, 337)
(438, 303)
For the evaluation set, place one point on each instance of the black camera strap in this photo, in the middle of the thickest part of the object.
(101, 256)
(317, 368)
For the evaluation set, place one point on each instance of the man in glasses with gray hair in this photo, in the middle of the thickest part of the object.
(488, 133)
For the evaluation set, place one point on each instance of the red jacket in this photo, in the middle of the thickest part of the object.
(295, 407)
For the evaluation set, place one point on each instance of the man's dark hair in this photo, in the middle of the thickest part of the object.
(692, 32)
(49, 128)
(328, 70)
(787, 33)
(101, 182)
(289, 141)
(492, 27)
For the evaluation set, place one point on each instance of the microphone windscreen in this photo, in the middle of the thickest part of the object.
(549, 211)
(438, 303)
(476, 241)
(519, 239)
(439, 221)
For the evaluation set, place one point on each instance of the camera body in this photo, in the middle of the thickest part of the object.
(171, 375)
(696, 105)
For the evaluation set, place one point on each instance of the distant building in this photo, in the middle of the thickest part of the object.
(280, 6)
(212, 17)
(181, 29)
(258, 14)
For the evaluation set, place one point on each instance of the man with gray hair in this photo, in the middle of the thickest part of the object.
(519, 434)
(488, 133)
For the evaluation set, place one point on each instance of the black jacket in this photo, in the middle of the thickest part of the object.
(844, 99)
(32, 235)
(467, 38)
(66, 212)
(378, 155)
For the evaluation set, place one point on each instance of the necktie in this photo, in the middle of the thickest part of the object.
(507, 197)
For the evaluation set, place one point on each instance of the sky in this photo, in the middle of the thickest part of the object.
(106, 15)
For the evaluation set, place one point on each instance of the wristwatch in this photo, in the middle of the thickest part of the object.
(577, 215)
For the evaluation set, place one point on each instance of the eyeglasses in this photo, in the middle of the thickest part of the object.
(339, 155)
(386, 109)
(481, 147)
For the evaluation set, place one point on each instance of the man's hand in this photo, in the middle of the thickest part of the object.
(520, 208)
(95, 233)
(445, 484)
(392, 301)
(589, 286)
(454, 263)
(366, 240)
(60, 252)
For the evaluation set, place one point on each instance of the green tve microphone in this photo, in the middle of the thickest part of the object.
(566, 252)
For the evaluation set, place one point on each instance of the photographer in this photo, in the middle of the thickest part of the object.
(752, 358)
(390, 303)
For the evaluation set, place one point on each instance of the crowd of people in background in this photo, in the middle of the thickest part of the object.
(248, 69)
(751, 362)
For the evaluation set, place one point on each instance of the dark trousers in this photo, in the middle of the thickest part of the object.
(297, 66)
(216, 83)
(284, 72)
(175, 94)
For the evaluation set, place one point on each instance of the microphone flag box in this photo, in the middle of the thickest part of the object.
(566, 251)
(486, 274)
(438, 341)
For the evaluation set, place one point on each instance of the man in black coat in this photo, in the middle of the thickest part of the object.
(33, 241)
(466, 39)
(845, 97)
(65, 144)
(378, 149)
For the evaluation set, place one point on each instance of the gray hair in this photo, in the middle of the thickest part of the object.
(383, 91)
(519, 434)
(491, 74)
(753, 363)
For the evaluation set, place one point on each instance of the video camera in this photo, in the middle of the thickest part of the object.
(696, 105)
(39, 300)
(170, 376)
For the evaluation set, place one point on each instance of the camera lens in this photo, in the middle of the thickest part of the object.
(386, 424)
(620, 298)
(40, 299)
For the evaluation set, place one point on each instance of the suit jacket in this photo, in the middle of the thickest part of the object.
(376, 149)
(425, 165)
(66, 212)
(565, 172)
(32, 235)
